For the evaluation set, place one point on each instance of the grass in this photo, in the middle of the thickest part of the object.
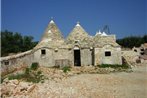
(115, 66)
(17, 76)
(30, 75)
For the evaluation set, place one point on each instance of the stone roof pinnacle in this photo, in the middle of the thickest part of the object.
(52, 21)
(78, 23)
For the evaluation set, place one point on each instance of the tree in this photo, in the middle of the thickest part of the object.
(27, 43)
(131, 41)
(15, 42)
(145, 38)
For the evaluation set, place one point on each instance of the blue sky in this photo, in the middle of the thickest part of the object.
(31, 17)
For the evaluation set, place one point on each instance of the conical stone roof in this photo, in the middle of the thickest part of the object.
(100, 41)
(52, 36)
(77, 34)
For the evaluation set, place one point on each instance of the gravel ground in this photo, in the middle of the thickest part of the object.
(113, 85)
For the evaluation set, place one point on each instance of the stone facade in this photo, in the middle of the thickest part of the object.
(78, 49)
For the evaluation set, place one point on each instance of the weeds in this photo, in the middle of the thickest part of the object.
(115, 66)
(30, 75)
(34, 66)
(66, 69)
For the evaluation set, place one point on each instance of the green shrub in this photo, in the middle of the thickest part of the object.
(115, 66)
(66, 69)
(34, 66)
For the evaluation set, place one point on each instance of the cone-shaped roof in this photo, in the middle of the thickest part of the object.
(52, 36)
(100, 41)
(52, 32)
(77, 34)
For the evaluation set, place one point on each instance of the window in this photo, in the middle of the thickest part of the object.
(56, 50)
(142, 49)
(6, 62)
(76, 41)
(43, 52)
(142, 53)
(135, 50)
(107, 53)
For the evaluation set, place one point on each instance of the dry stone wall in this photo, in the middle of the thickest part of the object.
(17, 62)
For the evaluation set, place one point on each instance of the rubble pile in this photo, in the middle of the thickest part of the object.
(16, 88)
(130, 57)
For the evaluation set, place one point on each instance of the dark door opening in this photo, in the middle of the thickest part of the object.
(92, 55)
(77, 58)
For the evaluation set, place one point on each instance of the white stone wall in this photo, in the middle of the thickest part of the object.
(86, 57)
(26, 59)
(115, 57)
(44, 59)
(64, 54)
(15, 62)
(52, 55)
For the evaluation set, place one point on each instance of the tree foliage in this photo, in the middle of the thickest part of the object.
(14, 42)
(131, 41)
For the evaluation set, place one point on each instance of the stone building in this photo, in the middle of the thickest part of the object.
(78, 49)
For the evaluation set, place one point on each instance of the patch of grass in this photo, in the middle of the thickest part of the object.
(35, 77)
(30, 75)
(115, 66)
(17, 76)
(66, 69)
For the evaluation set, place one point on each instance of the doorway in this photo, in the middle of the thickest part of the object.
(77, 58)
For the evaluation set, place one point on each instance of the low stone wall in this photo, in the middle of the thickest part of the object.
(14, 63)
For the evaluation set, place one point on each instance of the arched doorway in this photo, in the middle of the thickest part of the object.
(77, 56)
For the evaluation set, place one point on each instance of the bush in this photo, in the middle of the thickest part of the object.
(66, 69)
(34, 66)
(115, 66)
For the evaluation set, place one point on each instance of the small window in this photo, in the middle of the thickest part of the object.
(135, 50)
(6, 62)
(56, 50)
(43, 52)
(107, 53)
(142, 53)
(76, 41)
(142, 49)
